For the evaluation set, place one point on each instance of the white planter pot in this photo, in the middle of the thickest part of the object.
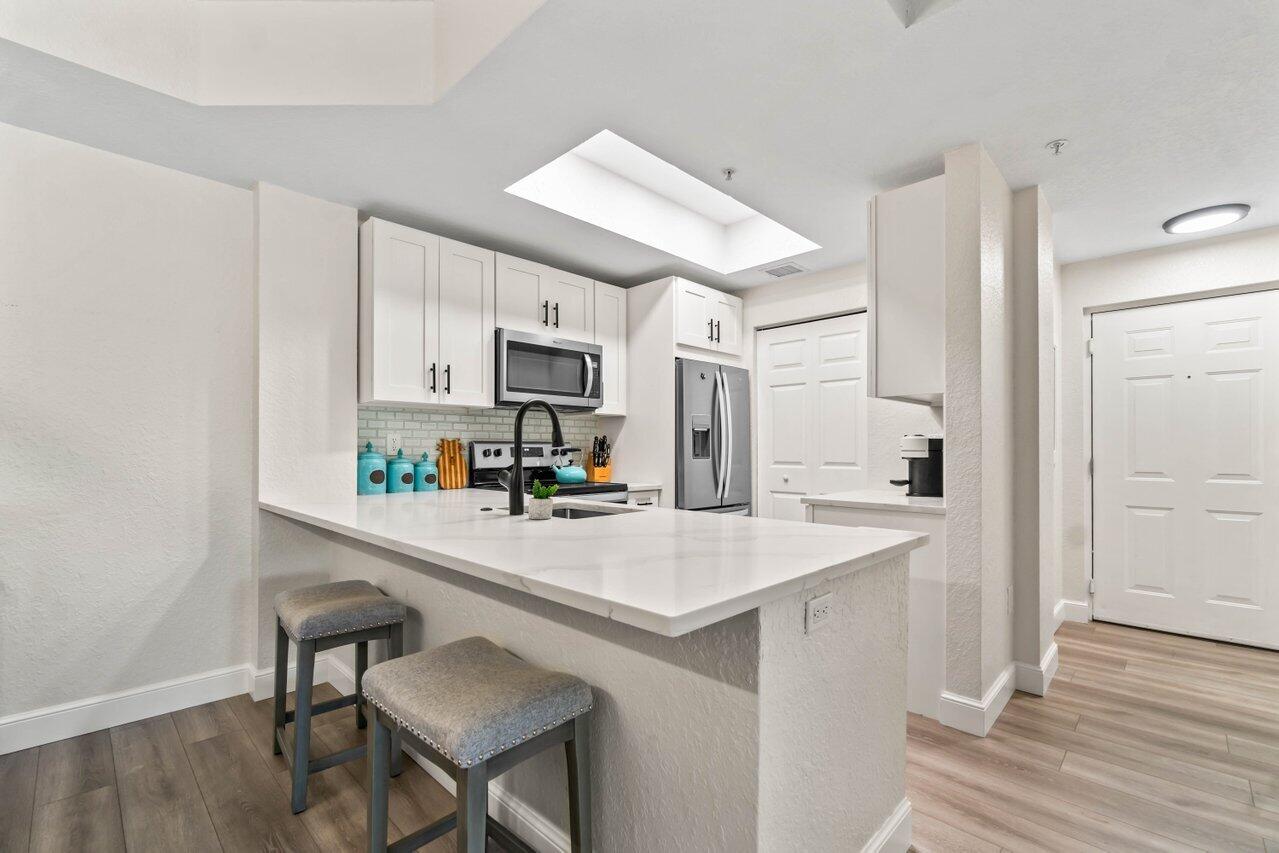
(539, 509)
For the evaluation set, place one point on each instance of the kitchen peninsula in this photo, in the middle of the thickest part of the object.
(723, 720)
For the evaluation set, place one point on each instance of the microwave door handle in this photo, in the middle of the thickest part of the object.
(590, 374)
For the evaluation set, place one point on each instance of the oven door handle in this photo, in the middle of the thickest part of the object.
(590, 375)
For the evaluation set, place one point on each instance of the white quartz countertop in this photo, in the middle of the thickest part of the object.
(878, 499)
(664, 570)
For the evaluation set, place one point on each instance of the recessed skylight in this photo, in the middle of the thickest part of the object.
(622, 188)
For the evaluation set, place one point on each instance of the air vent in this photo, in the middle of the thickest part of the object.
(782, 270)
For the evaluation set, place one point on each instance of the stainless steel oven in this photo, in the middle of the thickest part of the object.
(564, 373)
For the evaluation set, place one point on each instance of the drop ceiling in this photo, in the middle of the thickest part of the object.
(1169, 105)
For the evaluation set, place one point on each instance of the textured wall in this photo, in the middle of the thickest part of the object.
(676, 719)
(421, 428)
(833, 713)
(126, 334)
(1196, 266)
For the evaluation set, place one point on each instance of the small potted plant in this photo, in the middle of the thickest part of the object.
(539, 508)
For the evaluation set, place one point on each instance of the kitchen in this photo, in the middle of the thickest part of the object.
(301, 331)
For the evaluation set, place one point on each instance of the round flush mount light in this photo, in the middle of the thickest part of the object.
(1206, 218)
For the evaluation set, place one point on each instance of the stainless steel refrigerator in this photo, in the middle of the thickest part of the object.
(712, 437)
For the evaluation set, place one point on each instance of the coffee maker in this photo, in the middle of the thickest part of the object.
(924, 455)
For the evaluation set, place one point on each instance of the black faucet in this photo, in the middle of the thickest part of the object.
(516, 487)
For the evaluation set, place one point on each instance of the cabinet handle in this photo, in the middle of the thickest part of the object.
(448, 379)
(557, 315)
(717, 331)
(710, 331)
(546, 312)
(432, 377)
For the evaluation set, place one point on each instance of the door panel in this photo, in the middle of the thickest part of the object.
(572, 305)
(811, 412)
(406, 288)
(519, 298)
(466, 324)
(1186, 473)
(727, 312)
(610, 333)
(697, 442)
(693, 315)
(737, 383)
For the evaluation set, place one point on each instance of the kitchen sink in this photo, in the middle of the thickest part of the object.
(582, 512)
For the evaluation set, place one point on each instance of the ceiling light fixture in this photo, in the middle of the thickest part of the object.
(1206, 218)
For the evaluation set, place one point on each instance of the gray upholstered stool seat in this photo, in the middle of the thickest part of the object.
(329, 609)
(475, 710)
(472, 699)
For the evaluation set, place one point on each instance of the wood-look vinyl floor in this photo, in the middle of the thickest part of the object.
(203, 779)
(1145, 742)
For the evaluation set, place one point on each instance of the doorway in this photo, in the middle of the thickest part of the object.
(1186, 467)
(811, 412)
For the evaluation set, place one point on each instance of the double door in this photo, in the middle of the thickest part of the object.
(811, 411)
(707, 319)
(426, 318)
(533, 297)
(1186, 467)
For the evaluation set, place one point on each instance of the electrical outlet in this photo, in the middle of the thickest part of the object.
(818, 611)
(394, 442)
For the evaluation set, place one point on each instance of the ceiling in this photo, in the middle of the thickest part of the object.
(1168, 105)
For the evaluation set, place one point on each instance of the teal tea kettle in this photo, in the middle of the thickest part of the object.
(426, 476)
(370, 477)
(399, 473)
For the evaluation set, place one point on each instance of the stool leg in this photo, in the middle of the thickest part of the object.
(579, 784)
(395, 649)
(472, 808)
(361, 664)
(302, 727)
(379, 783)
(281, 681)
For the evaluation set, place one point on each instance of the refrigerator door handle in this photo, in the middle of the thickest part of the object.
(721, 400)
(728, 431)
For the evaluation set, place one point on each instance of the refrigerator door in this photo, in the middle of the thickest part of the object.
(737, 488)
(698, 435)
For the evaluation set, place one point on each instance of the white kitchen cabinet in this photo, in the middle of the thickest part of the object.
(426, 318)
(906, 273)
(533, 297)
(707, 319)
(610, 333)
(644, 497)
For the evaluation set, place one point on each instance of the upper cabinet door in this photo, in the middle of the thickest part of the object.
(400, 295)
(571, 303)
(694, 315)
(523, 296)
(610, 333)
(467, 296)
(727, 313)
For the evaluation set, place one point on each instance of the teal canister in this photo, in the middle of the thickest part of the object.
(426, 476)
(399, 473)
(370, 478)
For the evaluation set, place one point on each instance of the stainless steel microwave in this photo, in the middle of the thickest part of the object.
(564, 373)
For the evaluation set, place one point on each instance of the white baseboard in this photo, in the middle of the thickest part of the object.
(976, 716)
(45, 725)
(1072, 611)
(1030, 678)
(893, 835)
(534, 829)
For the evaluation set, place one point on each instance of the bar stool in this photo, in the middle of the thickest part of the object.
(319, 618)
(476, 710)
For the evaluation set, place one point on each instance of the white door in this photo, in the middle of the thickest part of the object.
(466, 324)
(520, 302)
(1186, 467)
(610, 333)
(694, 315)
(571, 300)
(406, 297)
(811, 412)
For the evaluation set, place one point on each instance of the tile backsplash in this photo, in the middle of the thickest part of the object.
(421, 429)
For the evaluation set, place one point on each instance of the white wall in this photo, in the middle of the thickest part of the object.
(1192, 267)
(126, 428)
(827, 294)
(979, 418)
